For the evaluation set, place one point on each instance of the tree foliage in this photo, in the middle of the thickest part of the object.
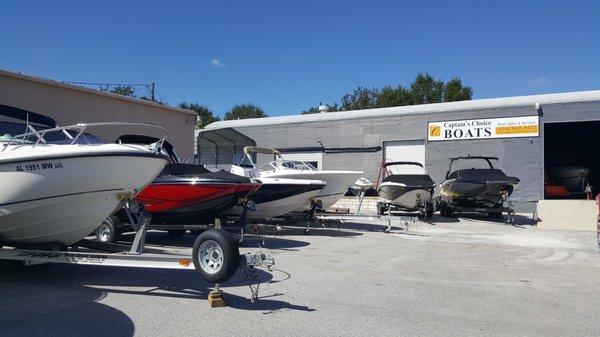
(129, 91)
(125, 90)
(424, 89)
(205, 115)
(244, 111)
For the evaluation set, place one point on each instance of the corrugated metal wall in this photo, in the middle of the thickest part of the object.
(521, 157)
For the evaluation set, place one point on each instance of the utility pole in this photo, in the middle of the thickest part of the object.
(152, 91)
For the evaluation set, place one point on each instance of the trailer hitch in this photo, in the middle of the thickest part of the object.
(249, 262)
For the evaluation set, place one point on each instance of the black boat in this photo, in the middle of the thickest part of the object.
(406, 186)
(475, 184)
(183, 196)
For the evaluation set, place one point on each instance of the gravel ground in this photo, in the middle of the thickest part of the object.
(459, 277)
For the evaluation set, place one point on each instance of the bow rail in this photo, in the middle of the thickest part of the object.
(79, 130)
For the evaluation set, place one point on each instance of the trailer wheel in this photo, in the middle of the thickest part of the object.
(495, 215)
(215, 257)
(429, 210)
(380, 208)
(445, 210)
(177, 233)
(108, 231)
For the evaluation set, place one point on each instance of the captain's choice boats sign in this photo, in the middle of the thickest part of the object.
(509, 127)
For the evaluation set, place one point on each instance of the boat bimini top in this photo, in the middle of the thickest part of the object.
(485, 170)
(249, 150)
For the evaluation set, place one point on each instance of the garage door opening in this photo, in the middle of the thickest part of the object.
(572, 163)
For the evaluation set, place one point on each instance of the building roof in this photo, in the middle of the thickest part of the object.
(478, 104)
(92, 91)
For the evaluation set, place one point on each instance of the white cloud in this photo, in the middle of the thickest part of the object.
(539, 82)
(217, 63)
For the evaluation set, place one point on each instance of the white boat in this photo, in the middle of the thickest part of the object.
(337, 181)
(59, 191)
(277, 196)
(407, 186)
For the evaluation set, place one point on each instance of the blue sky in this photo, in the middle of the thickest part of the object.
(289, 55)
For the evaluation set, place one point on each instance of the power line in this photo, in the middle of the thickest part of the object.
(102, 86)
(42, 68)
(109, 84)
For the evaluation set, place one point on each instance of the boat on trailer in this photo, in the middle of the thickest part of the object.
(56, 191)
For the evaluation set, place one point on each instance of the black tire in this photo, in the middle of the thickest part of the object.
(108, 231)
(177, 233)
(495, 215)
(227, 255)
(443, 209)
(380, 208)
(429, 211)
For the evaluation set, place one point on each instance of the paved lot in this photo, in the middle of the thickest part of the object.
(464, 278)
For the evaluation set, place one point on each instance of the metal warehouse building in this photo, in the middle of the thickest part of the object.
(529, 134)
(69, 104)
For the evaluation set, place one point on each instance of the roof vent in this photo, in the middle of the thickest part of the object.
(323, 108)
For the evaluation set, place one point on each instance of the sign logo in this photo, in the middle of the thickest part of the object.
(509, 127)
(434, 130)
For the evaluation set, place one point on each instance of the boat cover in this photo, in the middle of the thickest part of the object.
(411, 180)
(481, 174)
(199, 171)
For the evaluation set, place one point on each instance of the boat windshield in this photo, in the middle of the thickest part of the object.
(8, 130)
(242, 160)
(476, 163)
(405, 169)
(287, 165)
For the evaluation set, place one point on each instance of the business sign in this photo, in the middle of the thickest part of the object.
(484, 128)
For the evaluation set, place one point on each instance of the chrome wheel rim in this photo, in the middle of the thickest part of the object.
(210, 256)
(104, 233)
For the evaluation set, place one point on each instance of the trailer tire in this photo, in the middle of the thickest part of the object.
(380, 208)
(177, 233)
(495, 215)
(429, 211)
(216, 257)
(443, 209)
(108, 231)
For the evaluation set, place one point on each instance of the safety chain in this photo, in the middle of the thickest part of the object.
(251, 279)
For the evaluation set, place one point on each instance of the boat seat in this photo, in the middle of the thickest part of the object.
(6, 137)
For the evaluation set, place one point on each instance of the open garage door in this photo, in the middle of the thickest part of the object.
(571, 160)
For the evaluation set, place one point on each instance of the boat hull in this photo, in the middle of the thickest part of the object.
(407, 197)
(574, 178)
(63, 199)
(474, 193)
(278, 197)
(191, 203)
(338, 183)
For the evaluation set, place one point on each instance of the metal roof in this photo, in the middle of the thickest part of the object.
(488, 103)
(20, 76)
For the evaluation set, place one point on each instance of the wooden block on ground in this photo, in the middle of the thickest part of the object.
(215, 299)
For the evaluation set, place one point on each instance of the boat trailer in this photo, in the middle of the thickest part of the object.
(205, 261)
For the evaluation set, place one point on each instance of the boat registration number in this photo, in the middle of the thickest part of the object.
(39, 166)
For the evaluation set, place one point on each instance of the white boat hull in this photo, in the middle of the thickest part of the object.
(63, 199)
(275, 208)
(404, 197)
(338, 183)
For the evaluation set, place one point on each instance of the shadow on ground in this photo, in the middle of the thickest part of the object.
(62, 300)
(42, 301)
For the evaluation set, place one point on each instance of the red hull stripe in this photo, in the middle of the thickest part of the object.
(166, 197)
